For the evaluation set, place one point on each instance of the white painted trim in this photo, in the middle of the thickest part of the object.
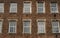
(12, 19)
(41, 20)
(55, 19)
(26, 19)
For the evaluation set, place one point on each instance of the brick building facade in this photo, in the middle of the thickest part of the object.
(19, 16)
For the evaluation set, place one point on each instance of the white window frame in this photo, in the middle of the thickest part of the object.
(3, 8)
(56, 8)
(29, 26)
(44, 20)
(58, 25)
(11, 8)
(15, 26)
(43, 7)
(30, 8)
(2, 25)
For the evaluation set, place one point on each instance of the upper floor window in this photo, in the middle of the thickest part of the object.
(54, 7)
(27, 7)
(27, 26)
(55, 27)
(1, 7)
(13, 7)
(41, 25)
(40, 7)
(12, 26)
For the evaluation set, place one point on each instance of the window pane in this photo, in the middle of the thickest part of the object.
(12, 24)
(54, 8)
(53, 5)
(41, 27)
(40, 4)
(26, 23)
(40, 8)
(55, 27)
(27, 7)
(0, 26)
(12, 27)
(1, 7)
(13, 7)
(26, 26)
(26, 29)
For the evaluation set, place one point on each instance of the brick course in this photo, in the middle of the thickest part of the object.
(33, 16)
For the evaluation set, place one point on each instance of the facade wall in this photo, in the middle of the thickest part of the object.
(33, 16)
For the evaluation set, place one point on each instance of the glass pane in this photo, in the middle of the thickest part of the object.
(13, 7)
(26, 29)
(0, 26)
(41, 23)
(12, 29)
(12, 26)
(54, 9)
(12, 23)
(40, 10)
(40, 4)
(1, 7)
(27, 7)
(41, 27)
(40, 7)
(26, 23)
(0, 23)
(53, 4)
(55, 27)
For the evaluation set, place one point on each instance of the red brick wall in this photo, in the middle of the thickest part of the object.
(34, 16)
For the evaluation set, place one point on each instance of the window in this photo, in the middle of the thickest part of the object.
(54, 8)
(12, 26)
(27, 7)
(55, 26)
(41, 26)
(1, 7)
(40, 7)
(13, 7)
(0, 26)
(27, 26)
